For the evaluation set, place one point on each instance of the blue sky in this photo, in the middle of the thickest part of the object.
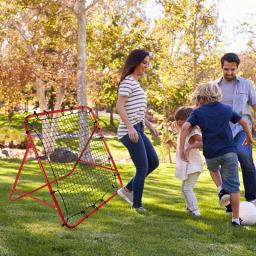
(232, 13)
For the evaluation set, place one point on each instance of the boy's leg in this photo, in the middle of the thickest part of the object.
(188, 191)
(235, 201)
(213, 165)
(216, 178)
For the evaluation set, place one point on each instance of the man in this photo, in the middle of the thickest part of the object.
(239, 93)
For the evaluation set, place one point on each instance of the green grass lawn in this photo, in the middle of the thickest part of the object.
(18, 122)
(28, 228)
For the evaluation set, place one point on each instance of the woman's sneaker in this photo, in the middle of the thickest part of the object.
(141, 210)
(224, 197)
(126, 195)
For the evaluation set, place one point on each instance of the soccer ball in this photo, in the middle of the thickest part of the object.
(247, 212)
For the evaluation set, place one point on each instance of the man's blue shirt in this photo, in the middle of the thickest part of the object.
(213, 120)
(244, 97)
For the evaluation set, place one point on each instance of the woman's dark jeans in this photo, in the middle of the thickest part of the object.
(145, 160)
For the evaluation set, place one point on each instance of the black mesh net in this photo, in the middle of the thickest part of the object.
(72, 149)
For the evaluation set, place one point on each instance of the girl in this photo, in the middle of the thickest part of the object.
(189, 171)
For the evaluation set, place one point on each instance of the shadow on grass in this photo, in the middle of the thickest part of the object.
(28, 228)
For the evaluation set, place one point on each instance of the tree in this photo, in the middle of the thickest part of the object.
(185, 39)
(114, 31)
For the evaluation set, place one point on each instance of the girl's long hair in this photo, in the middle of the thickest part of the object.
(133, 60)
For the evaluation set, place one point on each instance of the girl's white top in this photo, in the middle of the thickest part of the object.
(194, 164)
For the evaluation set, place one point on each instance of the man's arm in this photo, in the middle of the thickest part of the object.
(249, 138)
(254, 111)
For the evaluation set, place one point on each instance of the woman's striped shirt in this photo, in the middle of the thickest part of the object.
(136, 104)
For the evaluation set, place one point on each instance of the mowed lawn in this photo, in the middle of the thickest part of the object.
(28, 228)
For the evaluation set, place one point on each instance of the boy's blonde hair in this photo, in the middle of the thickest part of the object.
(206, 93)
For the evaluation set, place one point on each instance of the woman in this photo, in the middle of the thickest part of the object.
(131, 106)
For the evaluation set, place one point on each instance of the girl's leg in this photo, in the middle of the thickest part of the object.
(188, 191)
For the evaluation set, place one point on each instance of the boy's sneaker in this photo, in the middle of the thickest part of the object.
(126, 195)
(224, 197)
(228, 209)
(235, 223)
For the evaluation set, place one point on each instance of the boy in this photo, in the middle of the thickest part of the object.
(219, 149)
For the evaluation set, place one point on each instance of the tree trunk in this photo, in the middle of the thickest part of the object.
(195, 51)
(96, 111)
(111, 121)
(166, 130)
(80, 12)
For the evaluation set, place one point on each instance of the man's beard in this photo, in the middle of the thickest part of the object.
(229, 78)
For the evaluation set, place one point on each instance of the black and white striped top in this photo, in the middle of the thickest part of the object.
(136, 104)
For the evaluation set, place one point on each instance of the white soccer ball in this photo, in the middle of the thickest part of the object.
(247, 212)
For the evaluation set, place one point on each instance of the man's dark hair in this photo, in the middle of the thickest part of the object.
(230, 57)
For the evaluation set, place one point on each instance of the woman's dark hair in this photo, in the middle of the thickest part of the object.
(230, 57)
(133, 60)
(182, 113)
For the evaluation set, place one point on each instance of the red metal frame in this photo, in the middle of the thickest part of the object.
(55, 205)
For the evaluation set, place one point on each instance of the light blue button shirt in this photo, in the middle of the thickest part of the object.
(244, 97)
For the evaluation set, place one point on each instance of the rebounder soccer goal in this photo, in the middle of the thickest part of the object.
(75, 163)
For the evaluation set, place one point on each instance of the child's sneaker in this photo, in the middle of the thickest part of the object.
(237, 223)
(196, 213)
(188, 210)
(224, 197)
(126, 195)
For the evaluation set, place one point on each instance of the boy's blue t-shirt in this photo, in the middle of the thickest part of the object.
(213, 120)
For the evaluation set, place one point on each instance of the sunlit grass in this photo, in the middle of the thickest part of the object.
(28, 228)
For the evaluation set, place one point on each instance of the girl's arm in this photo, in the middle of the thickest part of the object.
(132, 133)
(195, 141)
(183, 134)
